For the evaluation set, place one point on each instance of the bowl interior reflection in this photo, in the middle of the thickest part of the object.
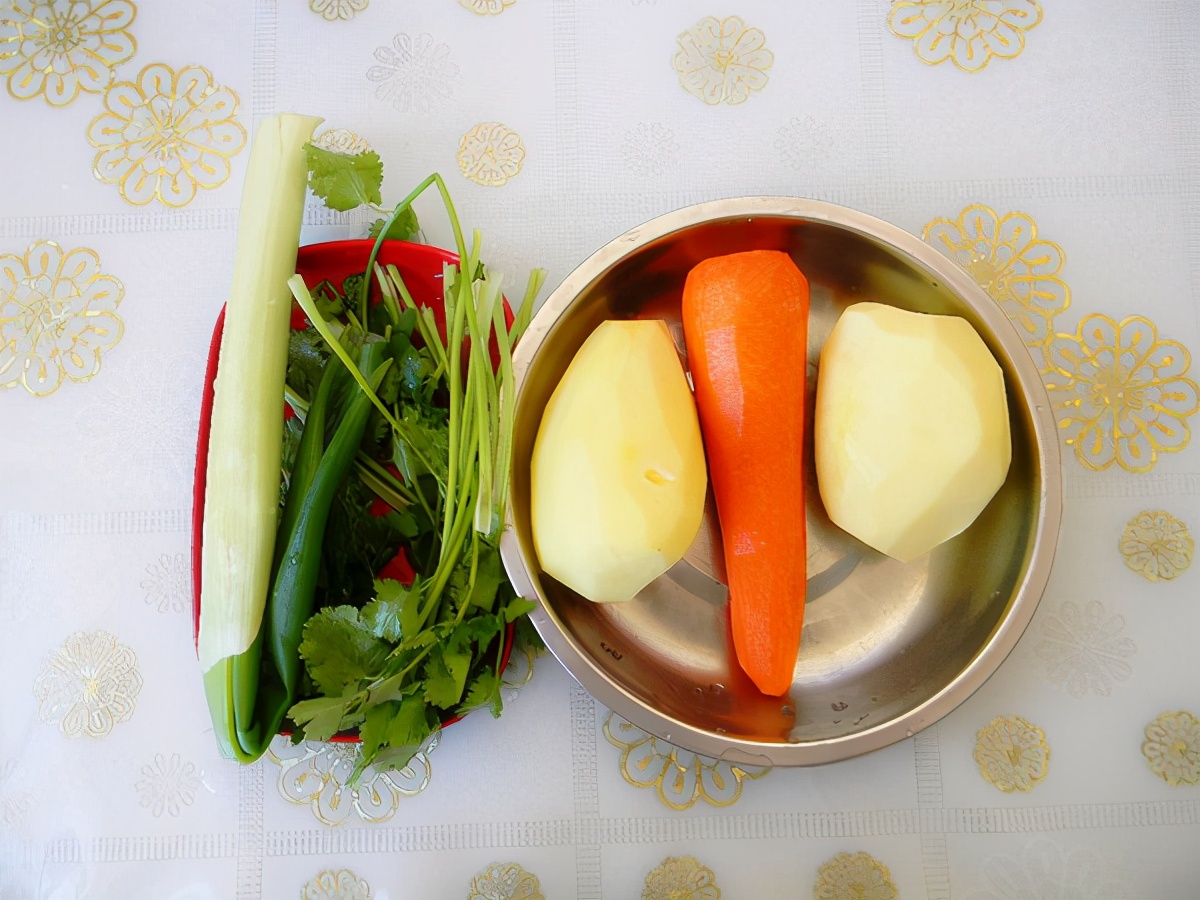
(880, 637)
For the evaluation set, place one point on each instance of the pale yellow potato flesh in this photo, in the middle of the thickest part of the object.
(618, 475)
(911, 428)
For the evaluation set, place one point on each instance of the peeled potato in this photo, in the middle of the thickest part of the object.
(618, 473)
(911, 428)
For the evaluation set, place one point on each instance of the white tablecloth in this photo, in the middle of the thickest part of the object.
(1052, 148)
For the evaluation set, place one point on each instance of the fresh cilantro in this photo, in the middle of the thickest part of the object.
(526, 637)
(344, 181)
(321, 717)
(489, 576)
(484, 691)
(430, 441)
(517, 607)
(340, 651)
(307, 356)
(389, 661)
(446, 672)
(404, 228)
(395, 611)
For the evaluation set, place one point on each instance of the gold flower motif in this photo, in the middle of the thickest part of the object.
(1157, 545)
(722, 61)
(1121, 394)
(1019, 270)
(168, 785)
(89, 685)
(854, 876)
(340, 885)
(333, 10)
(57, 317)
(166, 134)
(681, 878)
(315, 774)
(505, 881)
(1172, 747)
(681, 777)
(57, 48)
(1012, 754)
(490, 154)
(340, 140)
(487, 7)
(969, 32)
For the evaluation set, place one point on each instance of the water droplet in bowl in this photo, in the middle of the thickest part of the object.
(720, 730)
(716, 688)
(839, 706)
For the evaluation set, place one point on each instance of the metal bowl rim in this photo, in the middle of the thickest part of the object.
(519, 565)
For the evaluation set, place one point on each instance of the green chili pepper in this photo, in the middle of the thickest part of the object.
(295, 582)
(259, 697)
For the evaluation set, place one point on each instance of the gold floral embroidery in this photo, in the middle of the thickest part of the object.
(1012, 754)
(166, 134)
(681, 878)
(333, 10)
(1085, 649)
(89, 685)
(168, 785)
(315, 774)
(340, 140)
(681, 778)
(722, 60)
(340, 885)
(57, 48)
(490, 154)
(505, 881)
(487, 7)
(57, 317)
(1019, 270)
(1172, 747)
(1121, 394)
(969, 32)
(1157, 545)
(854, 876)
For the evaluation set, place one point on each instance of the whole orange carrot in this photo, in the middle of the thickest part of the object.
(745, 320)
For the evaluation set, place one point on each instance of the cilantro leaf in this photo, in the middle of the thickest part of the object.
(446, 670)
(489, 575)
(307, 356)
(430, 440)
(344, 181)
(320, 718)
(394, 612)
(517, 607)
(526, 637)
(405, 227)
(392, 734)
(477, 630)
(339, 651)
(484, 691)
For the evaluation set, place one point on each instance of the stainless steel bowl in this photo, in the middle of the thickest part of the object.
(888, 648)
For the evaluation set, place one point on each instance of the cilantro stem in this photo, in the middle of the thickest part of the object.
(425, 324)
(304, 298)
(525, 314)
(365, 291)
